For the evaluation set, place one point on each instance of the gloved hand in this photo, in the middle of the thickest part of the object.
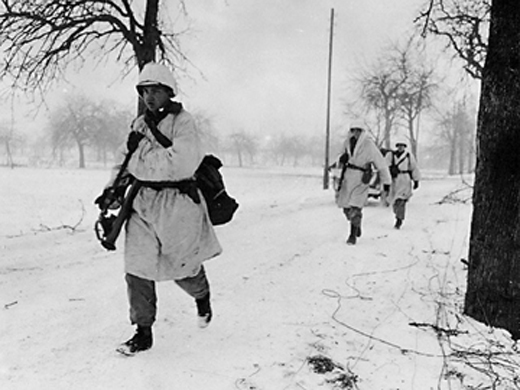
(415, 184)
(111, 198)
(343, 158)
(133, 141)
(386, 188)
(105, 198)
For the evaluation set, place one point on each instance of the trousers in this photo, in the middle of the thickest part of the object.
(354, 215)
(399, 208)
(142, 297)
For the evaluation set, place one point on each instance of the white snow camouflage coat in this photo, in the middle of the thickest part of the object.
(402, 184)
(353, 192)
(168, 236)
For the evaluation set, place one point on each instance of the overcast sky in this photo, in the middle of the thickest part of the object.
(265, 62)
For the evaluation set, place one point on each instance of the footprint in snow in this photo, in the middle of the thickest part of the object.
(245, 384)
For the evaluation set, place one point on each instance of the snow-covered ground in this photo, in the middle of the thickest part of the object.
(295, 307)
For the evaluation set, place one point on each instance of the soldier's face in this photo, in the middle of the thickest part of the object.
(155, 97)
(356, 133)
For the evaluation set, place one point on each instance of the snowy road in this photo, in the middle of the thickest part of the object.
(286, 288)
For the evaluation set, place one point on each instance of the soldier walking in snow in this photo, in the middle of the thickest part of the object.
(169, 233)
(360, 153)
(405, 176)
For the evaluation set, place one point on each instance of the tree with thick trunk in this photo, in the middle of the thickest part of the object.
(493, 290)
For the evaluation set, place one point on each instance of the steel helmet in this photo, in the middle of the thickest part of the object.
(401, 141)
(156, 74)
(357, 124)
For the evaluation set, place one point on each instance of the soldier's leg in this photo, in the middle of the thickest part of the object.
(142, 300)
(143, 309)
(399, 211)
(400, 208)
(355, 216)
(346, 211)
(198, 288)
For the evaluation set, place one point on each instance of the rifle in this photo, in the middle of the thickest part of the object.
(108, 226)
(113, 229)
(344, 161)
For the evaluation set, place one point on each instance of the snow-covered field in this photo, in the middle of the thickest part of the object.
(295, 307)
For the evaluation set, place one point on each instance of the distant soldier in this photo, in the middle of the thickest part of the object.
(359, 154)
(405, 176)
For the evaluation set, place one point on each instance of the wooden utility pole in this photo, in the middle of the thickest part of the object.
(327, 127)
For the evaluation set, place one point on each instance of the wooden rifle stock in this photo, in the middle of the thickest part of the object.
(103, 223)
(109, 242)
(342, 175)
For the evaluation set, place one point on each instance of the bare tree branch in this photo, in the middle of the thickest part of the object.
(464, 25)
(39, 39)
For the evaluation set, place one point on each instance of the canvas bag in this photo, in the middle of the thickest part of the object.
(367, 174)
(221, 206)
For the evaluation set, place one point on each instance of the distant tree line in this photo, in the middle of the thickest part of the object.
(11, 142)
(243, 148)
(392, 93)
(84, 132)
(401, 94)
(83, 124)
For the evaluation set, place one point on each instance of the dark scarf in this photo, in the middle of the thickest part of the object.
(169, 108)
(152, 120)
(353, 142)
(398, 153)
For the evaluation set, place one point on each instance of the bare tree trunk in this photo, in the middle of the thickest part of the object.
(471, 156)
(411, 135)
(145, 51)
(81, 150)
(462, 153)
(388, 128)
(453, 154)
(239, 156)
(10, 161)
(493, 288)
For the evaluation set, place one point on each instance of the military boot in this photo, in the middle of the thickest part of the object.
(358, 231)
(141, 341)
(351, 240)
(204, 311)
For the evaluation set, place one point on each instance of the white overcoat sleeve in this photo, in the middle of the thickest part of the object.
(381, 164)
(152, 162)
(416, 174)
